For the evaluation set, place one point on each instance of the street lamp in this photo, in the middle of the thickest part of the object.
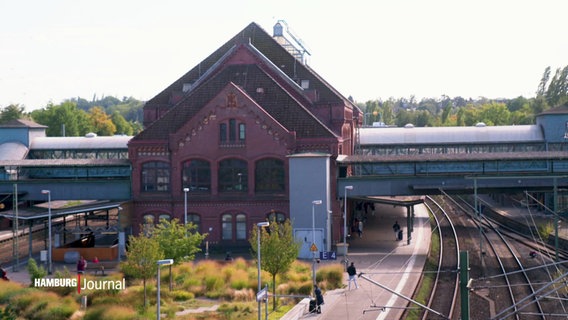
(345, 224)
(185, 191)
(165, 262)
(49, 270)
(314, 203)
(259, 226)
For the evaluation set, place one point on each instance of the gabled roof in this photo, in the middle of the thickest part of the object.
(277, 54)
(562, 109)
(276, 101)
(21, 123)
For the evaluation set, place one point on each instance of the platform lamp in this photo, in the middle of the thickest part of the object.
(345, 225)
(314, 204)
(49, 265)
(165, 262)
(259, 226)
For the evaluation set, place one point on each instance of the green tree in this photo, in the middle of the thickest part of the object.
(122, 126)
(12, 112)
(495, 114)
(141, 259)
(460, 117)
(178, 241)
(278, 249)
(447, 111)
(67, 115)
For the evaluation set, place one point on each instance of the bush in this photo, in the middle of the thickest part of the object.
(179, 295)
(330, 275)
(35, 271)
(8, 290)
(111, 313)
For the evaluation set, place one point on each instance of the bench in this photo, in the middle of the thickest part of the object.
(101, 266)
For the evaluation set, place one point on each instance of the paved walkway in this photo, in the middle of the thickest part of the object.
(382, 259)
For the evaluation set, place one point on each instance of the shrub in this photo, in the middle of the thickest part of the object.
(35, 271)
(111, 313)
(179, 295)
(331, 275)
(239, 279)
(8, 290)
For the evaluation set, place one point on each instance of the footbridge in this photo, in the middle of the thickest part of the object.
(406, 161)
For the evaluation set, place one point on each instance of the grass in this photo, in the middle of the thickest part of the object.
(229, 285)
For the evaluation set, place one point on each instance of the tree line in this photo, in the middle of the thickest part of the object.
(76, 117)
(110, 115)
(552, 91)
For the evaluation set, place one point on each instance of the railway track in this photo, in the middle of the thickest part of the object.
(508, 282)
(445, 290)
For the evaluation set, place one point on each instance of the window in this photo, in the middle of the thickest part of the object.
(279, 217)
(148, 221)
(223, 132)
(232, 132)
(242, 132)
(196, 220)
(233, 176)
(196, 176)
(234, 224)
(155, 177)
(227, 227)
(164, 216)
(269, 175)
(241, 227)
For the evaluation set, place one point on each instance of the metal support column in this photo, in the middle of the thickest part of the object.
(464, 290)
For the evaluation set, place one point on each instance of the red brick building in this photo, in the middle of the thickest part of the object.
(221, 136)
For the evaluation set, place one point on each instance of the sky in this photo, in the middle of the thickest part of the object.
(52, 50)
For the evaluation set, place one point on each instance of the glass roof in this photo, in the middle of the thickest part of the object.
(86, 142)
(450, 135)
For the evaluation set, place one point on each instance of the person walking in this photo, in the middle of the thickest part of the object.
(360, 228)
(352, 272)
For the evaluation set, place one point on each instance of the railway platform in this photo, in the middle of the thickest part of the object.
(380, 257)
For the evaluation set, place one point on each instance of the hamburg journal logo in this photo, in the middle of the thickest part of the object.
(80, 284)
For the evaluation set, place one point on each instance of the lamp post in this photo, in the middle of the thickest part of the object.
(185, 191)
(314, 203)
(48, 192)
(345, 224)
(165, 262)
(259, 226)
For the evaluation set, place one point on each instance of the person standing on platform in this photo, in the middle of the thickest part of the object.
(319, 298)
(360, 228)
(396, 229)
(81, 265)
(352, 272)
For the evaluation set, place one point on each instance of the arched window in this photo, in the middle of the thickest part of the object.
(279, 217)
(155, 177)
(227, 227)
(164, 216)
(148, 221)
(233, 176)
(196, 176)
(269, 176)
(195, 219)
(241, 227)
